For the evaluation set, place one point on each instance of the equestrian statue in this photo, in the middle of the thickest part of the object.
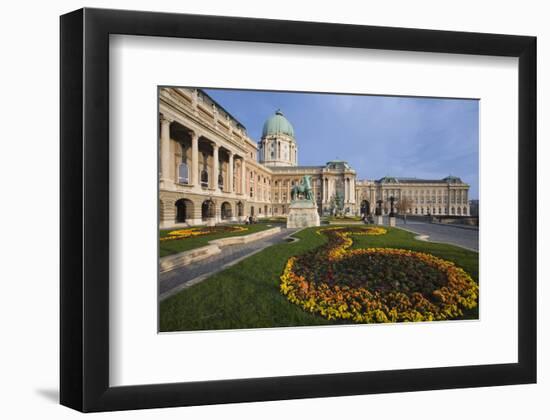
(302, 190)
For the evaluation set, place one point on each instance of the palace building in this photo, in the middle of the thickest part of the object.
(211, 171)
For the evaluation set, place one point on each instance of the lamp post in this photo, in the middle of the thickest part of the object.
(391, 218)
(392, 201)
(378, 210)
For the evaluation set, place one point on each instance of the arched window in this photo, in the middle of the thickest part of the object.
(226, 212)
(208, 209)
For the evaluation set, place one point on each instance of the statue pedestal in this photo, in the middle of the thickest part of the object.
(302, 213)
(391, 221)
(379, 220)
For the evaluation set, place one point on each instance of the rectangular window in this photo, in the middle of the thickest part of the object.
(183, 173)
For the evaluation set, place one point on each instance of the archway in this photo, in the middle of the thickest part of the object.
(207, 209)
(227, 212)
(240, 209)
(365, 208)
(184, 210)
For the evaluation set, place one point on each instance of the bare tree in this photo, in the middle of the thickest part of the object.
(404, 206)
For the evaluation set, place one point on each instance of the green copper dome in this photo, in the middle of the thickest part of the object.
(277, 124)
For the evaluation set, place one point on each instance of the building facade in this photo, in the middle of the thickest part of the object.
(211, 171)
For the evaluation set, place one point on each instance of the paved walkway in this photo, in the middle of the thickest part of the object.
(175, 280)
(466, 238)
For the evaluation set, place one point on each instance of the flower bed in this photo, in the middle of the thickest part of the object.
(376, 284)
(200, 231)
(371, 230)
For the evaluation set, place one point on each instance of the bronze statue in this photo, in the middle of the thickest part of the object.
(302, 190)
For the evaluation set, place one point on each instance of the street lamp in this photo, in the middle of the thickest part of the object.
(392, 200)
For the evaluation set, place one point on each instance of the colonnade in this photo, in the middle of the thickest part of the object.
(195, 171)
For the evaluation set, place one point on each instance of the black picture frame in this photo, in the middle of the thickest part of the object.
(84, 295)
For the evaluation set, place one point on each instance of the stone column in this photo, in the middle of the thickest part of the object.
(230, 173)
(346, 190)
(288, 199)
(243, 177)
(165, 149)
(314, 189)
(195, 176)
(215, 165)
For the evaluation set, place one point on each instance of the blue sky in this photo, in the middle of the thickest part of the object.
(378, 135)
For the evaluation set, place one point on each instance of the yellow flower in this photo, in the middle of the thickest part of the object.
(361, 305)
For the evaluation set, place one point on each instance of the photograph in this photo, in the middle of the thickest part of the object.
(293, 209)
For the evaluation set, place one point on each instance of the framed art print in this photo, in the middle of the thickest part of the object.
(257, 209)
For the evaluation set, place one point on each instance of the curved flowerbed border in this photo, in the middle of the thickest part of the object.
(364, 306)
(370, 230)
(200, 231)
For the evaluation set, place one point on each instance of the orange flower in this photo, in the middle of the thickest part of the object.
(320, 293)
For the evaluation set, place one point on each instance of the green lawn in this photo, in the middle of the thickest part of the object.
(342, 219)
(180, 245)
(247, 295)
(274, 219)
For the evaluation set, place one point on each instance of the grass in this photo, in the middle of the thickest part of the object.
(247, 295)
(180, 245)
(342, 218)
(274, 219)
(397, 238)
